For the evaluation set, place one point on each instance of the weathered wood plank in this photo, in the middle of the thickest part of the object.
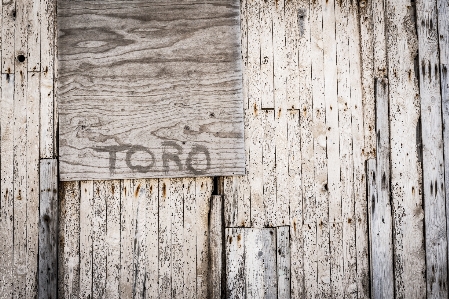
(99, 253)
(187, 102)
(9, 15)
(189, 247)
(359, 220)
(127, 237)
(310, 260)
(216, 229)
(34, 36)
(177, 238)
(152, 200)
(381, 230)
(406, 173)
(283, 263)
(260, 263)
(69, 235)
(140, 250)
(48, 232)
(203, 193)
(267, 212)
(164, 265)
(432, 141)
(235, 263)
(267, 53)
(111, 192)
(7, 185)
(443, 39)
(32, 164)
(296, 204)
(86, 235)
(47, 60)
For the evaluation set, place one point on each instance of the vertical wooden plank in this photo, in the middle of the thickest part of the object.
(266, 50)
(165, 208)
(358, 135)
(406, 174)
(111, 192)
(203, 193)
(292, 35)
(254, 133)
(99, 253)
(48, 214)
(7, 185)
(336, 259)
(69, 236)
(303, 238)
(432, 140)
(382, 276)
(32, 164)
(189, 247)
(443, 35)
(216, 229)
(177, 238)
(260, 263)
(9, 15)
(47, 10)
(34, 36)
(152, 199)
(235, 263)
(296, 212)
(20, 143)
(268, 210)
(86, 235)
(283, 261)
(128, 230)
(310, 260)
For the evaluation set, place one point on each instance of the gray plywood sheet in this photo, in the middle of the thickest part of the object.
(149, 89)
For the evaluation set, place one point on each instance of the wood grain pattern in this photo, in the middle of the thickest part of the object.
(48, 242)
(173, 73)
(432, 151)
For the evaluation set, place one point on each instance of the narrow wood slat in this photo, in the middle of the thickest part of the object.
(48, 232)
(381, 222)
(406, 173)
(177, 224)
(68, 262)
(47, 57)
(34, 37)
(32, 164)
(266, 213)
(432, 141)
(216, 229)
(99, 252)
(283, 262)
(165, 207)
(111, 192)
(203, 192)
(359, 219)
(152, 200)
(443, 35)
(310, 260)
(86, 237)
(267, 53)
(189, 245)
(235, 262)
(7, 185)
(9, 16)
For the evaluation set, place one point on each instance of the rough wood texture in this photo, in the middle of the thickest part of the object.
(173, 73)
(406, 172)
(48, 232)
(216, 230)
(432, 150)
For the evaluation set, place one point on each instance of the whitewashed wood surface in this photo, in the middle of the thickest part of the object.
(158, 237)
(149, 89)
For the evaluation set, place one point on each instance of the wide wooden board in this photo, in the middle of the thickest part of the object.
(149, 89)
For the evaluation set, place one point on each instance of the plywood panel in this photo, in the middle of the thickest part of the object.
(149, 89)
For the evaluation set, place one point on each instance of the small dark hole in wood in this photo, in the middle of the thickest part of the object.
(21, 58)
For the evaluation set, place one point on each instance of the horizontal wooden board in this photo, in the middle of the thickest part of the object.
(149, 89)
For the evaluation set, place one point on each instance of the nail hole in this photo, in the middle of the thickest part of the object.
(21, 58)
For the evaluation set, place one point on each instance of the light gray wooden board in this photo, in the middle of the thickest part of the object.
(283, 263)
(443, 34)
(406, 171)
(149, 89)
(251, 262)
(381, 230)
(216, 229)
(48, 232)
(432, 155)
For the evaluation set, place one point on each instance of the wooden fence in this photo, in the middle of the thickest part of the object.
(346, 114)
